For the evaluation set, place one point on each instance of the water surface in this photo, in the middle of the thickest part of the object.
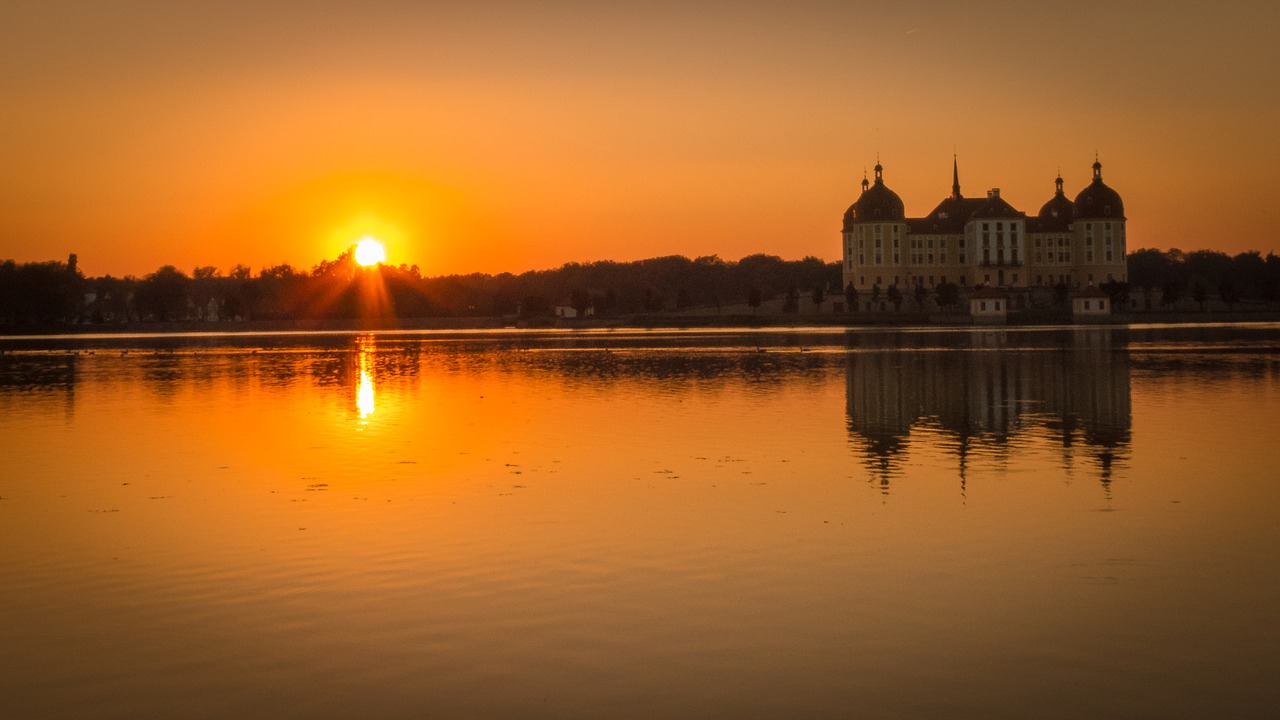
(1061, 522)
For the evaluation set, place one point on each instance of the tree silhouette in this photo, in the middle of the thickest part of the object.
(895, 297)
(851, 297)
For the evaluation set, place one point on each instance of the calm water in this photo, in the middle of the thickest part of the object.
(892, 524)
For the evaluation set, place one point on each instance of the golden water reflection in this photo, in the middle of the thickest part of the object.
(364, 394)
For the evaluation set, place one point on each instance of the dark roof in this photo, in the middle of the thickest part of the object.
(949, 217)
(1091, 292)
(996, 207)
(1097, 200)
(986, 293)
(1055, 215)
(876, 204)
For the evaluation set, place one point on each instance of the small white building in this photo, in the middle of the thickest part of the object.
(569, 311)
(988, 305)
(1090, 303)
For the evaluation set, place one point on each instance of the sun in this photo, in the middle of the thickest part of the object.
(370, 252)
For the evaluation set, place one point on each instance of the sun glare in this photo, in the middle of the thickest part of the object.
(370, 252)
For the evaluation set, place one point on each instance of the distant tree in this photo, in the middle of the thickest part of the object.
(875, 293)
(1061, 293)
(580, 299)
(851, 297)
(683, 298)
(1150, 268)
(163, 294)
(895, 297)
(241, 272)
(754, 298)
(818, 297)
(1228, 292)
(205, 272)
(1171, 293)
(1199, 293)
(792, 303)
(1118, 292)
(920, 295)
(948, 294)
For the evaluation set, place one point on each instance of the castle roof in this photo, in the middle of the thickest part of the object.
(1098, 200)
(876, 204)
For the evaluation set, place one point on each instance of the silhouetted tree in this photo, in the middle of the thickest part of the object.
(792, 302)
(920, 295)
(1061, 294)
(163, 294)
(1199, 293)
(948, 294)
(851, 297)
(1118, 292)
(818, 297)
(895, 297)
(1228, 292)
(753, 298)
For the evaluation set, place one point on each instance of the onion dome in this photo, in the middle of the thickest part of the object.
(1055, 215)
(1058, 207)
(876, 204)
(1097, 200)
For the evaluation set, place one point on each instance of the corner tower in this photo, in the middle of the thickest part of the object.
(874, 234)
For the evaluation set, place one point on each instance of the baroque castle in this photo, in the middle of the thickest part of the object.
(985, 241)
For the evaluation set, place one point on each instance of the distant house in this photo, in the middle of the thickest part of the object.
(565, 310)
(1090, 303)
(988, 305)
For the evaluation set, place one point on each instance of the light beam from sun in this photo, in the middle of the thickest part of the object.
(370, 252)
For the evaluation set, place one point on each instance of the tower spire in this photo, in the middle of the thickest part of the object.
(955, 177)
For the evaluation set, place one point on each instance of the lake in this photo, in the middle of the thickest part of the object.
(965, 523)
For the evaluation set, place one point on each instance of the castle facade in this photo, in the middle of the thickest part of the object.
(985, 241)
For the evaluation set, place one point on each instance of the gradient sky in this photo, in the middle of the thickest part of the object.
(505, 136)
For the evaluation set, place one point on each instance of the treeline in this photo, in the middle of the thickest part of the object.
(1202, 274)
(50, 293)
(56, 292)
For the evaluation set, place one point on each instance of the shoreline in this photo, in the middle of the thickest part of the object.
(643, 322)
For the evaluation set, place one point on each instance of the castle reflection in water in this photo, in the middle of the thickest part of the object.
(991, 398)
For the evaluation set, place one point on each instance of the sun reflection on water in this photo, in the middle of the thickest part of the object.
(364, 395)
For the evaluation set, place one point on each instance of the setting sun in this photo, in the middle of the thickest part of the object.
(370, 252)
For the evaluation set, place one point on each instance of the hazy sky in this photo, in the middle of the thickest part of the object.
(504, 136)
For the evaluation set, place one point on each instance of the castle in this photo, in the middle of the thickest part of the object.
(985, 241)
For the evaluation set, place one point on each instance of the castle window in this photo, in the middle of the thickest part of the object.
(999, 227)
(1108, 254)
(877, 242)
(985, 226)
(896, 259)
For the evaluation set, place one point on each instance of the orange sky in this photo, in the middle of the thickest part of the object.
(505, 136)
